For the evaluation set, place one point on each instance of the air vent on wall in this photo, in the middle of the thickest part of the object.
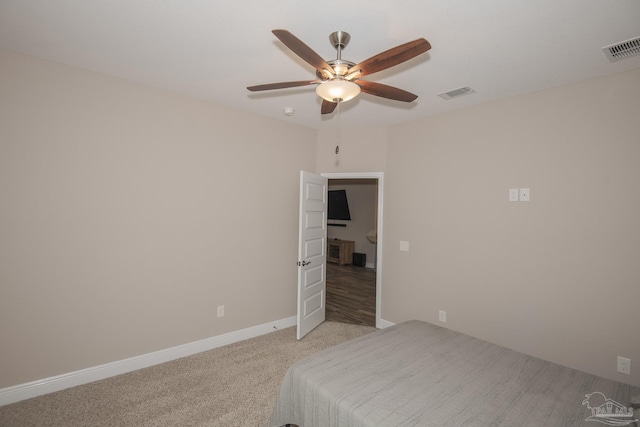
(454, 93)
(623, 50)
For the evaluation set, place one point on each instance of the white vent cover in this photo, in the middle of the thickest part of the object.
(454, 93)
(623, 50)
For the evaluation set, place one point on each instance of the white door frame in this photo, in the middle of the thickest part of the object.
(378, 261)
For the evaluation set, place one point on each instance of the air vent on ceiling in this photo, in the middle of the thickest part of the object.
(623, 50)
(454, 93)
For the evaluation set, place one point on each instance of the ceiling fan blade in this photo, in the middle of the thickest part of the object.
(389, 58)
(384, 91)
(328, 107)
(282, 85)
(305, 52)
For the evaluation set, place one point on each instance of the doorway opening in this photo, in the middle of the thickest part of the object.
(354, 281)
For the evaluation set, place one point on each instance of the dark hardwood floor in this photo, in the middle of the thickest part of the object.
(351, 294)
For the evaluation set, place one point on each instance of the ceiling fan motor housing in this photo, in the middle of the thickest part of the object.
(340, 68)
(339, 40)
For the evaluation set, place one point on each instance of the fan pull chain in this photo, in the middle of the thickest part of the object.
(338, 128)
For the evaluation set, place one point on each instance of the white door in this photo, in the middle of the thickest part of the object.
(312, 245)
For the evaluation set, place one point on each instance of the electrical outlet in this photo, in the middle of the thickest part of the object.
(442, 316)
(220, 310)
(624, 365)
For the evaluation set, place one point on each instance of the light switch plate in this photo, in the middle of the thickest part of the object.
(404, 246)
(524, 194)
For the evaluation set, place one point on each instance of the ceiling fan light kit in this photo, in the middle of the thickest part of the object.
(338, 90)
(339, 80)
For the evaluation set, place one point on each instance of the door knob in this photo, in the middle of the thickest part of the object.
(303, 263)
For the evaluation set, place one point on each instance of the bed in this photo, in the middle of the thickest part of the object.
(419, 374)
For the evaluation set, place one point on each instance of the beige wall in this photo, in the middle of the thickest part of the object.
(128, 214)
(361, 150)
(557, 277)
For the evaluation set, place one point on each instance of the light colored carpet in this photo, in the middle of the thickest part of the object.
(235, 385)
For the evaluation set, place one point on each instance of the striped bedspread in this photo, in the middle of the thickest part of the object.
(419, 374)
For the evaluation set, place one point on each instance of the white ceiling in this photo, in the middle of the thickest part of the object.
(214, 49)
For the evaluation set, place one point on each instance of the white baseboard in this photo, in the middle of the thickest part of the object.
(385, 324)
(84, 376)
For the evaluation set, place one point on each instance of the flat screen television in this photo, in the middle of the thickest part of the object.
(338, 207)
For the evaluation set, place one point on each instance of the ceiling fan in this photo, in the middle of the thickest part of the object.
(340, 80)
